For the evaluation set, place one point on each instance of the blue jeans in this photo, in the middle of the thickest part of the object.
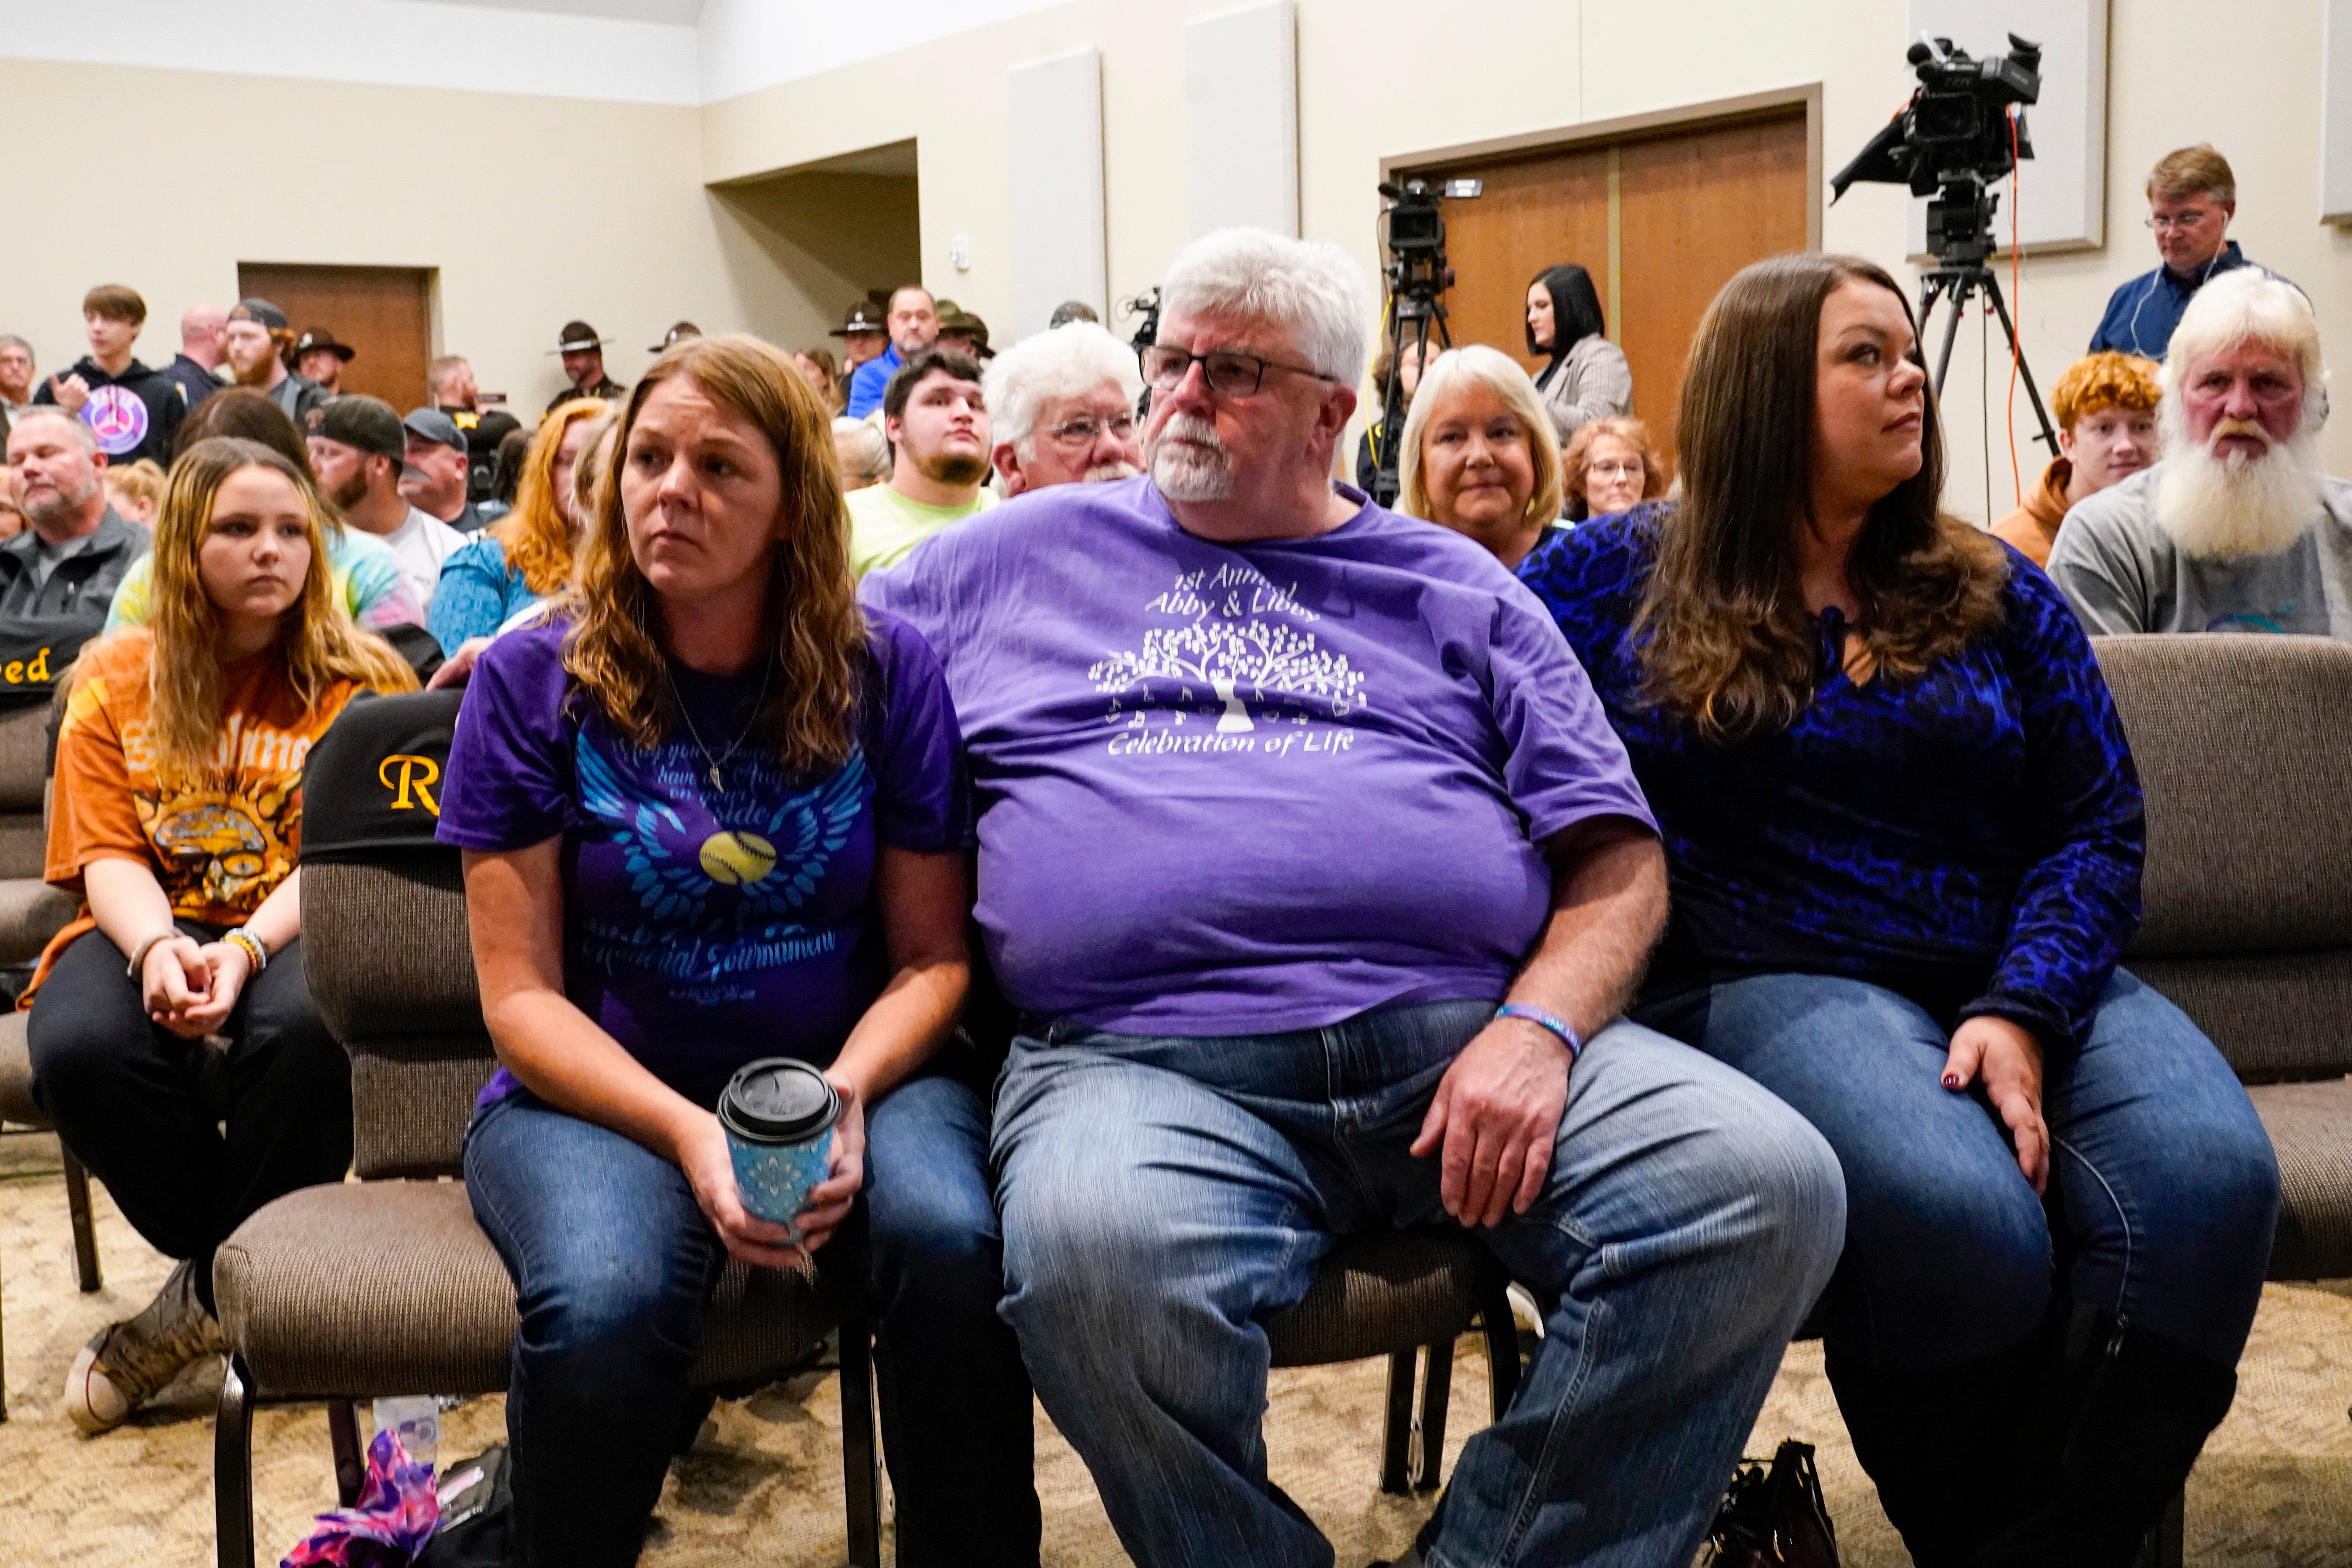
(1163, 1199)
(614, 1264)
(2163, 1190)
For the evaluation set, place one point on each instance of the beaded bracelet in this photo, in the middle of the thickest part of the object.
(252, 946)
(1543, 1020)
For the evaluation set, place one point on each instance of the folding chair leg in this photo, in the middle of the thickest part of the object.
(1429, 1427)
(232, 1469)
(2163, 1547)
(1396, 1428)
(1501, 1351)
(85, 1234)
(861, 1478)
(350, 1461)
(4, 1378)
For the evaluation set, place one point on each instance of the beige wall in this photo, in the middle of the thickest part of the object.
(800, 249)
(1392, 79)
(534, 210)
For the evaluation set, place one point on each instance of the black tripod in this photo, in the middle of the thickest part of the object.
(1411, 315)
(1959, 236)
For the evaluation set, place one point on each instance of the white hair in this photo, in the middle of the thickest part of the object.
(2248, 305)
(868, 446)
(1311, 290)
(1069, 361)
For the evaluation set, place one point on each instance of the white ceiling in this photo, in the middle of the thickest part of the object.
(677, 13)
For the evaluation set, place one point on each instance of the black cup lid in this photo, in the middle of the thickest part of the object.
(778, 1100)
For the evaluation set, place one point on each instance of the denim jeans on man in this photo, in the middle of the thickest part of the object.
(614, 1264)
(1163, 1199)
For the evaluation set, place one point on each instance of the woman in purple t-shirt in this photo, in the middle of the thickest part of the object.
(713, 813)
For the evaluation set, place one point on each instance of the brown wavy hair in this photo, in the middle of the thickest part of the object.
(615, 651)
(317, 638)
(537, 535)
(1725, 635)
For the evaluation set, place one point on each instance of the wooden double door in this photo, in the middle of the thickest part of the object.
(1662, 220)
(385, 313)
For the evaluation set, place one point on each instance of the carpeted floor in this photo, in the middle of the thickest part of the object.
(764, 1484)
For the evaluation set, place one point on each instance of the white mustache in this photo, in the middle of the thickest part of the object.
(1191, 427)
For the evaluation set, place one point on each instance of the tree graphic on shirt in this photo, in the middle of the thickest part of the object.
(1226, 656)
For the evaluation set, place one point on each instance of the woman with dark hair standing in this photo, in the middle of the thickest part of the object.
(1586, 378)
(713, 813)
(1904, 840)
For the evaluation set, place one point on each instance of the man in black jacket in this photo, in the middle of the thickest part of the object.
(57, 577)
(132, 410)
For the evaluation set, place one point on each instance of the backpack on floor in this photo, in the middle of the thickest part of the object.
(1774, 1516)
(475, 1517)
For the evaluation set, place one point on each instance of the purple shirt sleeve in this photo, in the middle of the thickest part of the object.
(921, 799)
(1566, 763)
(510, 764)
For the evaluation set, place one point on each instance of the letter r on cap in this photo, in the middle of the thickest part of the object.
(415, 773)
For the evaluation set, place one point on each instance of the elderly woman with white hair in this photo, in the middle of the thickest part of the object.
(1062, 405)
(2236, 530)
(862, 452)
(1478, 454)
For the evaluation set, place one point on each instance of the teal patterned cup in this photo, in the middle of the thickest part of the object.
(778, 1115)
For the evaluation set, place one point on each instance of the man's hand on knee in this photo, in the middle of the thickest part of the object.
(1495, 1116)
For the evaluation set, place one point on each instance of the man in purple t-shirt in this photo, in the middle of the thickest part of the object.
(1281, 793)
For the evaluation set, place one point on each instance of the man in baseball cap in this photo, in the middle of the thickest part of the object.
(584, 366)
(360, 452)
(318, 356)
(258, 342)
(438, 454)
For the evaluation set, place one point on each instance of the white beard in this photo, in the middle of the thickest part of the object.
(2217, 506)
(1186, 473)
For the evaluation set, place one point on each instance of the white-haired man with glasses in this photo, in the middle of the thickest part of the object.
(2192, 194)
(1318, 879)
(1062, 405)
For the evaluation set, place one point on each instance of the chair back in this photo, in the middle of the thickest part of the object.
(387, 952)
(2246, 758)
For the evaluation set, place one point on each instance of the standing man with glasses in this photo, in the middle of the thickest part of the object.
(2191, 197)
(1063, 406)
(1282, 794)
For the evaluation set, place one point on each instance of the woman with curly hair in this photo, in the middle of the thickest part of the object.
(526, 556)
(178, 817)
(713, 812)
(1904, 837)
(1611, 466)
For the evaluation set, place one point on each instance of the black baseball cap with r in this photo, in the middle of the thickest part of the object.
(366, 423)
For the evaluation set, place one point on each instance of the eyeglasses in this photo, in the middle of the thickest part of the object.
(2186, 220)
(1630, 468)
(1082, 432)
(1229, 375)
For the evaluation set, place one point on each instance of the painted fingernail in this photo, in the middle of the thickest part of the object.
(1951, 1080)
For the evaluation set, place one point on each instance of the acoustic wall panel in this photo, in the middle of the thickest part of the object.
(1058, 244)
(2335, 113)
(2063, 205)
(1241, 115)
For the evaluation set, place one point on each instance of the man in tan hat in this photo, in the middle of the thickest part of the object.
(584, 366)
(962, 333)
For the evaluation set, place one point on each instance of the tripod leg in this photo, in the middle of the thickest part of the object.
(2024, 371)
(1959, 298)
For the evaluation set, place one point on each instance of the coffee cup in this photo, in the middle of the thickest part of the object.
(778, 1115)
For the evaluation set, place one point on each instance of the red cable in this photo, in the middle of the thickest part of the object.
(2016, 306)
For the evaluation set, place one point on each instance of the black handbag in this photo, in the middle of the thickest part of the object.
(1774, 1516)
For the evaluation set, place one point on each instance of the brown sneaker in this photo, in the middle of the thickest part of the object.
(125, 1363)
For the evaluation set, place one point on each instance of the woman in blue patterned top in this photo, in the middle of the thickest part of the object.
(1905, 837)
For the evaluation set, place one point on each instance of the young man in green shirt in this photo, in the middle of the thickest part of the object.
(938, 427)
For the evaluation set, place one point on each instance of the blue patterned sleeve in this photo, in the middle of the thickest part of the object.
(470, 600)
(2079, 904)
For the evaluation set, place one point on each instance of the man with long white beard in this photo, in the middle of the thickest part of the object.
(1063, 405)
(2236, 530)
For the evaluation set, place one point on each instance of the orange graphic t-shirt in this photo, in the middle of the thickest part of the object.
(219, 846)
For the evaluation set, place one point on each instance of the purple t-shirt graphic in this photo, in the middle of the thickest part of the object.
(1233, 790)
(706, 928)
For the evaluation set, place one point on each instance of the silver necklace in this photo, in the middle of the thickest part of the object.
(717, 779)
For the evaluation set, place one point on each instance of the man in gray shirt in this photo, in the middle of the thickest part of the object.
(2236, 530)
(57, 577)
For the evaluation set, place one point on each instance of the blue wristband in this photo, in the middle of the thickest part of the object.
(1543, 1020)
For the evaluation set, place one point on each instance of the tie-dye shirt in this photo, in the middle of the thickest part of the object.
(1971, 838)
(706, 926)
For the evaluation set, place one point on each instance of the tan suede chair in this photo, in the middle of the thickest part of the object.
(385, 1285)
(31, 912)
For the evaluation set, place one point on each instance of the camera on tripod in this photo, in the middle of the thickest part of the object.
(1416, 273)
(1952, 141)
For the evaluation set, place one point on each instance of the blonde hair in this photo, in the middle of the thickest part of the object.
(318, 642)
(1623, 428)
(142, 482)
(614, 650)
(1500, 375)
(538, 534)
(2191, 171)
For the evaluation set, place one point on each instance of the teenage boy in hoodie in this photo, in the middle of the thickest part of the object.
(133, 411)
